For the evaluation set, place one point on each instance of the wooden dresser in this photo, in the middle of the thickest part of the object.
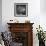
(22, 33)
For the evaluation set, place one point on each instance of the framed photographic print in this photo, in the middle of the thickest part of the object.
(20, 9)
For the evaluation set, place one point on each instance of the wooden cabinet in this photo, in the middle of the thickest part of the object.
(22, 33)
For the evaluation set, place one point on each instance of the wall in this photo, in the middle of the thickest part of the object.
(0, 15)
(8, 11)
(43, 14)
(43, 6)
(33, 14)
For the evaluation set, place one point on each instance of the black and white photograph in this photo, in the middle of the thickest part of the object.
(20, 9)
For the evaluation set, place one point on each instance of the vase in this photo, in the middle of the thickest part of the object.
(41, 43)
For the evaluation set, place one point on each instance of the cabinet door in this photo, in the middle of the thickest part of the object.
(20, 37)
(24, 38)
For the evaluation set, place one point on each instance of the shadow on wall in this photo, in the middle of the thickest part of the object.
(0, 8)
(43, 6)
(0, 15)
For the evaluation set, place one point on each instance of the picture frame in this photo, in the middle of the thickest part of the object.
(20, 9)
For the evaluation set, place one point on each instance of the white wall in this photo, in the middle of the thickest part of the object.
(0, 15)
(43, 14)
(36, 14)
(43, 6)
